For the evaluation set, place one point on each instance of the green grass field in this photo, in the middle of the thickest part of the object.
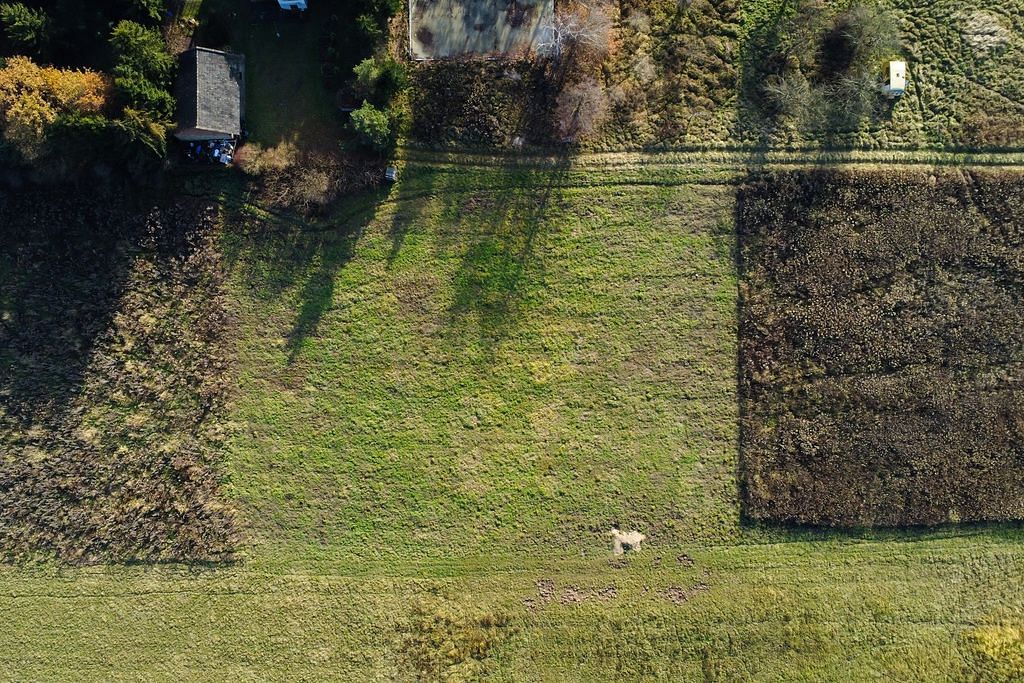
(445, 398)
(445, 394)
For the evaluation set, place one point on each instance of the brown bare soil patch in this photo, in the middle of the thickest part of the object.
(680, 595)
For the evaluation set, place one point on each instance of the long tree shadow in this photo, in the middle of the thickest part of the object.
(275, 254)
(417, 190)
(64, 259)
(331, 253)
(503, 227)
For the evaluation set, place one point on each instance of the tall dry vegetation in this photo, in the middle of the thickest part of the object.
(112, 374)
(673, 77)
(308, 182)
(882, 347)
(578, 41)
(447, 641)
(482, 103)
(582, 107)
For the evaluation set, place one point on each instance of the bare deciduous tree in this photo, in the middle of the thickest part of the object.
(582, 107)
(578, 30)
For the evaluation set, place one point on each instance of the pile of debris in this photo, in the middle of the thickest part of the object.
(211, 151)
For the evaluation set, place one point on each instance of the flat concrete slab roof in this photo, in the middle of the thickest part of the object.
(449, 28)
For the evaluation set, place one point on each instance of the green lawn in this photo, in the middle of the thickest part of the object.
(445, 398)
(496, 363)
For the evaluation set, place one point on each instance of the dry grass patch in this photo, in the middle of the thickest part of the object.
(111, 378)
(880, 344)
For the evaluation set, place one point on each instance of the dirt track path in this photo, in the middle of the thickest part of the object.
(719, 158)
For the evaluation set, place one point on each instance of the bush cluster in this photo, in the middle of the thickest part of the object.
(120, 38)
(379, 82)
(882, 347)
(818, 65)
(483, 103)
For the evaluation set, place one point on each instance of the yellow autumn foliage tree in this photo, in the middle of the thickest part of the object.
(33, 96)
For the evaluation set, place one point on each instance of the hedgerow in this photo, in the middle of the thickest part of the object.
(882, 347)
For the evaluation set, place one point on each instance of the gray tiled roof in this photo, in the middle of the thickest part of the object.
(211, 91)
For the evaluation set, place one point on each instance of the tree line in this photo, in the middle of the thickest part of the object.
(81, 82)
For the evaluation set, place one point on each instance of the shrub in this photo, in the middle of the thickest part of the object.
(370, 30)
(308, 182)
(379, 80)
(143, 51)
(81, 138)
(371, 126)
(27, 29)
(578, 35)
(471, 102)
(32, 97)
(999, 126)
(582, 107)
(137, 92)
(148, 11)
(817, 66)
(142, 138)
(255, 160)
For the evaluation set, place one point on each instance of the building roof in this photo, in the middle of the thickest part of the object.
(211, 92)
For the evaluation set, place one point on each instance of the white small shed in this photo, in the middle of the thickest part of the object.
(897, 84)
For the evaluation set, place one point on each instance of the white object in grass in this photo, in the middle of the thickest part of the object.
(624, 542)
(897, 84)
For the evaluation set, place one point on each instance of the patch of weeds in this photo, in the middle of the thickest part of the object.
(996, 653)
(112, 379)
(446, 641)
(673, 75)
(880, 348)
(469, 102)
